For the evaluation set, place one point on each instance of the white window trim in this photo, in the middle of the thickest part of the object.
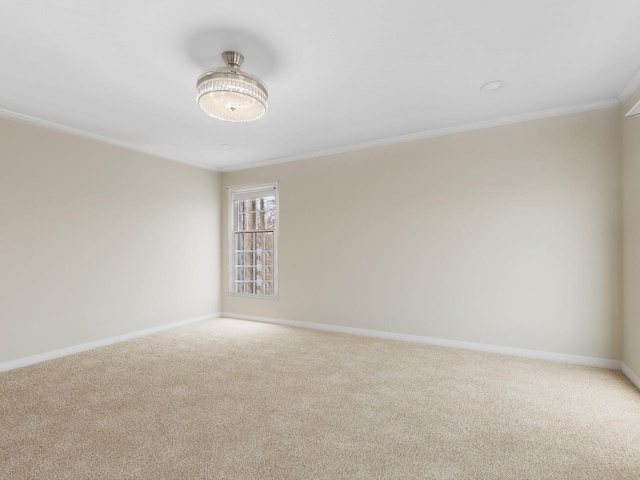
(230, 229)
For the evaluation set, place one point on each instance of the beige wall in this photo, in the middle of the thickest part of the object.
(631, 165)
(507, 236)
(97, 241)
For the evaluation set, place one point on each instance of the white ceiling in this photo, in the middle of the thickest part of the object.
(339, 73)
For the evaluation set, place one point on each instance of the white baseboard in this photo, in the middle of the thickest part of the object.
(635, 379)
(63, 352)
(480, 347)
(440, 342)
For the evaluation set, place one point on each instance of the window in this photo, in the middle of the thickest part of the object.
(253, 240)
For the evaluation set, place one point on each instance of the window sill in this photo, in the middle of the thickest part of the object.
(253, 295)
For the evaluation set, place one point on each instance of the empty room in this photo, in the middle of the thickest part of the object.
(295, 240)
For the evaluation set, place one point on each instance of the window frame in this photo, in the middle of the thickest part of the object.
(244, 189)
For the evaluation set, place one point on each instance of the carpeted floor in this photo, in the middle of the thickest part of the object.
(228, 399)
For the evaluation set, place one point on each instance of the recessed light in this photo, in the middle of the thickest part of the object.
(226, 146)
(492, 86)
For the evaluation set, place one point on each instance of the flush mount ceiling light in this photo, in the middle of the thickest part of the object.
(230, 94)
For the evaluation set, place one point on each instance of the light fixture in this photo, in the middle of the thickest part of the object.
(230, 94)
(492, 86)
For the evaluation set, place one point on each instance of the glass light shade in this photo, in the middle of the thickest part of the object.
(232, 95)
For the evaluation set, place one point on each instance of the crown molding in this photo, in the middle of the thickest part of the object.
(630, 87)
(521, 118)
(92, 136)
(525, 117)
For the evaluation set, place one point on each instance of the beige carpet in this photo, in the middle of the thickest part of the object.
(228, 399)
